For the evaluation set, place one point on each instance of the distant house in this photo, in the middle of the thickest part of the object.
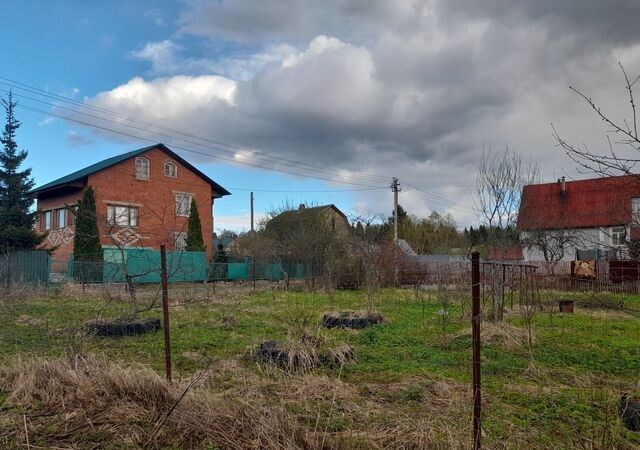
(332, 216)
(585, 219)
(143, 199)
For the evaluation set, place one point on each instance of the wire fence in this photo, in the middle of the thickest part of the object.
(384, 364)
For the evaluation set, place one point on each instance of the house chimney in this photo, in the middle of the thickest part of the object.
(563, 186)
(301, 207)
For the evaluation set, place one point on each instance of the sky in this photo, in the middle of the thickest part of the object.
(318, 102)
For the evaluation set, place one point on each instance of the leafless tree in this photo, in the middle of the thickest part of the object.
(623, 141)
(499, 183)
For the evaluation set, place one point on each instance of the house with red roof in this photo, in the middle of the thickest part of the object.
(584, 219)
(143, 199)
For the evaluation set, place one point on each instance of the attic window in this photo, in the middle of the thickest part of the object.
(170, 170)
(142, 168)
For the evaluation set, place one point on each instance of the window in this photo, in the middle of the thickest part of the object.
(180, 241)
(635, 211)
(170, 170)
(61, 216)
(122, 216)
(46, 220)
(618, 235)
(183, 204)
(142, 168)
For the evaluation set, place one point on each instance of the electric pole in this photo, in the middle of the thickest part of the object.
(251, 200)
(395, 187)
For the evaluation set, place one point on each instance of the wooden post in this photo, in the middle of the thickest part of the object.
(165, 311)
(475, 327)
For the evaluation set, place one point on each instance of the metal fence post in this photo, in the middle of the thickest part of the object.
(475, 327)
(165, 310)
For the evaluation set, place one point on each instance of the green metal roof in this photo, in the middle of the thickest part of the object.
(104, 164)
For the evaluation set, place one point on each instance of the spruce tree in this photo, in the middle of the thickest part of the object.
(194, 232)
(86, 242)
(16, 218)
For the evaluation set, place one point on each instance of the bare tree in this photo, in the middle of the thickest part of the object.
(499, 183)
(623, 141)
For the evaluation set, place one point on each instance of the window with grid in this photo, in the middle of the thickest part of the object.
(618, 235)
(180, 241)
(170, 170)
(142, 168)
(122, 216)
(183, 204)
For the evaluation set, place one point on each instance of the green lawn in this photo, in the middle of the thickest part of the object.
(413, 371)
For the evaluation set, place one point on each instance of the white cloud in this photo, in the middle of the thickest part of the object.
(408, 88)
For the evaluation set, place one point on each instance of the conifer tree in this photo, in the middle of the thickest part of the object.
(86, 241)
(16, 218)
(87, 250)
(195, 242)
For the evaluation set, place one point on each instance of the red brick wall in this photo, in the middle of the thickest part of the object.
(58, 237)
(155, 199)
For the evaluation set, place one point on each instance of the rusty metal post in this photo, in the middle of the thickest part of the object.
(165, 311)
(475, 327)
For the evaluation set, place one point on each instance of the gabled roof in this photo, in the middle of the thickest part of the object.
(600, 202)
(302, 213)
(104, 164)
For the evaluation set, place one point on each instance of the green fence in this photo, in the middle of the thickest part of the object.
(142, 265)
(25, 267)
(247, 271)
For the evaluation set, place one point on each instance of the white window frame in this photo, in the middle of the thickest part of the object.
(61, 212)
(635, 211)
(47, 220)
(173, 169)
(143, 168)
(618, 236)
(122, 216)
(180, 241)
(181, 199)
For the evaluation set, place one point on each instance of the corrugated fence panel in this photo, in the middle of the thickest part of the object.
(27, 266)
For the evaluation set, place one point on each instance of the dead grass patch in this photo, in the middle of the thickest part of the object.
(501, 333)
(30, 321)
(87, 402)
(303, 354)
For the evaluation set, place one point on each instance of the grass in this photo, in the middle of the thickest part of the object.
(409, 386)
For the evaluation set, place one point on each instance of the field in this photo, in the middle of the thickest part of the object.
(408, 387)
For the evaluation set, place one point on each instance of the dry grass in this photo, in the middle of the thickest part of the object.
(303, 354)
(501, 333)
(88, 402)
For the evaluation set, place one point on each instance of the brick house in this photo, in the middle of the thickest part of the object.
(143, 199)
(585, 219)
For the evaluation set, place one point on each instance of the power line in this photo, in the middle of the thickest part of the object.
(309, 191)
(269, 158)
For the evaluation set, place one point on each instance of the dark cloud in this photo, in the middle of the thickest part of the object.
(407, 88)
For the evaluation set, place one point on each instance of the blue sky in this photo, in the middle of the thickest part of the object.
(342, 95)
(76, 49)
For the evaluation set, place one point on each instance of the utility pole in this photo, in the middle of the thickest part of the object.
(251, 200)
(395, 187)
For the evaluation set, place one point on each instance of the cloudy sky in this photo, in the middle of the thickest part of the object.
(313, 101)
